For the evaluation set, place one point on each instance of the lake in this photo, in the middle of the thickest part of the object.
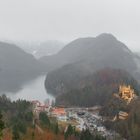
(33, 90)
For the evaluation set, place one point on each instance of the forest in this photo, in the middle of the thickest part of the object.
(18, 122)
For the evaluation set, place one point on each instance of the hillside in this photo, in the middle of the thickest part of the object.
(85, 56)
(19, 121)
(94, 89)
(16, 67)
(128, 128)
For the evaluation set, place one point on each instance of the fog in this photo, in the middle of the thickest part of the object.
(33, 90)
(66, 20)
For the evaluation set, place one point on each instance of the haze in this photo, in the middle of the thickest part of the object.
(65, 20)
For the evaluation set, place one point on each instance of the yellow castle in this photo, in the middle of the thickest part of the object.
(126, 92)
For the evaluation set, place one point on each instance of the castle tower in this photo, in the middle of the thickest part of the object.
(126, 92)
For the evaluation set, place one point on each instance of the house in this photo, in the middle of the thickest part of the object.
(122, 115)
(35, 103)
(101, 129)
(39, 107)
(72, 115)
(59, 113)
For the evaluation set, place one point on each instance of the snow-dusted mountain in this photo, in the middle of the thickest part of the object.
(40, 49)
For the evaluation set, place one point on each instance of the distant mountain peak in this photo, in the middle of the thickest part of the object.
(106, 36)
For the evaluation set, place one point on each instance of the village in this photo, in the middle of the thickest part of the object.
(84, 118)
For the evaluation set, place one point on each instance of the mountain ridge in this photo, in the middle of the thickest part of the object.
(83, 57)
(83, 48)
(17, 67)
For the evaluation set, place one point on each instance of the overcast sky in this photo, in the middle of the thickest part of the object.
(70, 19)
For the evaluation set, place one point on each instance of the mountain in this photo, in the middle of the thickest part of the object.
(40, 49)
(94, 89)
(138, 54)
(48, 48)
(16, 67)
(93, 54)
(84, 57)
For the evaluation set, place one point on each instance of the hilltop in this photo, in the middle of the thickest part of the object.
(16, 67)
(93, 53)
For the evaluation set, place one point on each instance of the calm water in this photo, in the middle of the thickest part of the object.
(33, 90)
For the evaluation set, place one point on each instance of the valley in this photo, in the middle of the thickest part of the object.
(69, 70)
(79, 92)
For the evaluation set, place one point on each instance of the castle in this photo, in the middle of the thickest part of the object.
(126, 93)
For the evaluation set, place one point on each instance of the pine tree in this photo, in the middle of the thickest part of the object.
(33, 135)
(86, 135)
(69, 132)
(2, 126)
(56, 130)
(15, 133)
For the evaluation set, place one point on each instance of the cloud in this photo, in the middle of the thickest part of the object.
(70, 19)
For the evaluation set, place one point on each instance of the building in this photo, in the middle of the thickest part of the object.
(123, 115)
(59, 113)
(101, 129)
(39, 107)
(126, 93)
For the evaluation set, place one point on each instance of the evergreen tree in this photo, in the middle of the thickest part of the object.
(44, 119)
(1, 126)
(33, 135)
(56, 129)
(69, 131)
(86, 135)
(15, 133)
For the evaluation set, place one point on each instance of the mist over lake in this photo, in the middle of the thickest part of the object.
(33, 90)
